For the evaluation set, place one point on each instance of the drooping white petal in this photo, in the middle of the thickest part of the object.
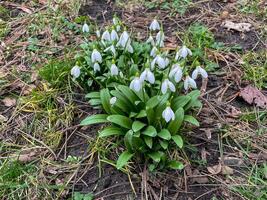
(115, 21)
(98, 34)
(114, 70)
(124, 39)
(112, 49)
(153, 63)
(168, 114)
(195, 73)
(85, 28)
(167, 61)
(106, 36)
(96, 67)
(203, 73)
(171, 86)
(153, 52)
(186, 83)
(147, 75)
(164, 87)
(150, 40)
(136, 84)
(112, 101)
(183, 53)
(75, 71)
(160, 37)
(161, 62)
(96, 56)
(192, 83)
(114, 36)
(129, 48)
(176, 73)
(118, 28)
(154, 25)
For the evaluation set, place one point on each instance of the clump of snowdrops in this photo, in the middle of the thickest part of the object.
(148, 95)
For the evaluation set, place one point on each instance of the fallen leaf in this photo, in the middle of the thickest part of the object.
(226, 170)
(2, 119)
(224, 14)
(9, 102)
(200, 179)
(253, 95)
(216, 169)
(240, 27)
(232, 161)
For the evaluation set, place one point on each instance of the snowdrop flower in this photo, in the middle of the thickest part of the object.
(96, 56)
(154, 25)
(114, 70)
(85, 28)
(115, 21)
(201, 71)
(167, 61)
(106, 36)
(118, 28)
(114, 36)
(75, 71)
(168, 114)
(161, 62)
(189, 82)
(124, 39)
(112, 101)
(150, 40)
(96, 67)
(112, 49)
(129, 48)
(176, 73)
(160, 38)
(183, 53)
(167, 85)
(153, 52)
(147, 75)
(136, 84)
(98, 34)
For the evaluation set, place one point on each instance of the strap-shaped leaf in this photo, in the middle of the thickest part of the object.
(137, 126)
(153, 102)
(162, 104)
(123, 159)
(180, 101)
(94, 119)
(93, 95)
(150, 131)
(194, 98)
(120, 120)
(175, 125)
(165, 134)
(105, 100)
(109, 131)
(128, 93)
(176, 165)
(178, 140)
(164, 144)
(141, 114)
(95, 102)
(156, 156)
(191, 120)
(150, 115)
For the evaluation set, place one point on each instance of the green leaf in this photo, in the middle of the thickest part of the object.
(176, 165)
(194, 97)
(178, 140)
(175, 124)
(164, 134)
(128, 140)
(162, 104)
(105, 98)
(191, 119)
(120, 120)
(150, 131)
(95, 102)
(156, 156)
(123, 159)
(150, 115)
(164, 144)
(128, 93)
(137, 126)
(153, 102)
(148, 141)
(93, 95)
(141, 114)
(94, 119)
(108, 131)
(180, 101)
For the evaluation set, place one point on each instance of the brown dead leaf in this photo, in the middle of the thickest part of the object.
(34, 76)
(252, 95)
(26, 156)
(200, 179)
(3, 119)
(232, 161)
(28, 89)
(216, 169)
(226, 170)
(240, 27)
(9, 102)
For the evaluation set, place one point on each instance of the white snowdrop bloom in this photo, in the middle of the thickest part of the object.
(118, 28)
(112, 101)
(153, 52)
(96, 56)
(124, 39)
(160, 61)
(75, 71)
(201, 71)
(150, 40)
(183, 53)
(136, 84)
(152, 65)
(96, 67)
(114, 36)
(168, 114)
(85, 28)
(129, 48)
(115, 21)
(112, 49)
(114, 70)
(121, 74)
(167, 85)
(98, 34)
(147, 75)
(189, 83)
(167, 61)
(106, 36)
(160, 38)
(154, 25)
(176, 73)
